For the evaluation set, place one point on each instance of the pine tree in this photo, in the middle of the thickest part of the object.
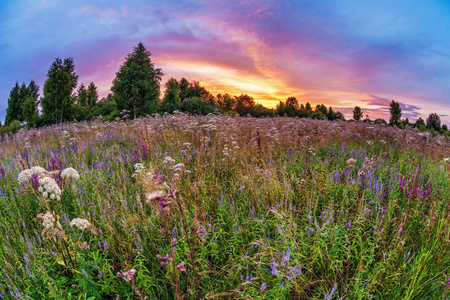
(14, 111)
(82, 95)
(58, 88)
(92, 95)
(136, 86)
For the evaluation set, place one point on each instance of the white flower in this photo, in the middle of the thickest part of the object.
(80, 223)
(168, 160)
(36, 170)
(178, 167)
(24, 175)
(48, 220)
(49, 186)
(70, 173)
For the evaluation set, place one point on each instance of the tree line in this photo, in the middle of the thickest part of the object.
(135, 92)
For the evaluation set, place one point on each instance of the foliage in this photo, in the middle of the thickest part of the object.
(396, 113)
(82, 95)
(136, 86)
(58, 88)
(357, 113)
(22, 103)
(196, 106)
(434, 121)
(171, 100)
(92, 95)
(244, 104)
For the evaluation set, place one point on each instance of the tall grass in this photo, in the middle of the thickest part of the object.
(214, 207)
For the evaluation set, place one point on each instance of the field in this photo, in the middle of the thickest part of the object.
(221, 207)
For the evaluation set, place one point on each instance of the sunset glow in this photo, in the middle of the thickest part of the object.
(337, 53)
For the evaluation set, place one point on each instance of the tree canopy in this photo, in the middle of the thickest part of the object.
(137, 83)
(396, 113)
(58, 88)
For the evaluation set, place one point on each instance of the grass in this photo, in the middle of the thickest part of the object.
(248, 209)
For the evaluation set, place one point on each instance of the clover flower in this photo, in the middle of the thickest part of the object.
(168, 160)
(350, 162)
(70, 173)
(80, 223)
(49, 188)
(48, 220)
(164, 260)
(126, 275)
(178, 167)
(181, 267)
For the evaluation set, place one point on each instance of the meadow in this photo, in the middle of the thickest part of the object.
(222, 207)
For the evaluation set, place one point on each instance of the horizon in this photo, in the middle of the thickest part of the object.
(333, 53)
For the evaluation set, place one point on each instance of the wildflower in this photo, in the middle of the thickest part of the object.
(154, 196)
(178, 167)
(70, 173)
(126, 275)
(48, 220)
(165, 204)
(328, 297)
(181, 267)
(80, 223)
(263, 286)
(350, 162)
(49, 188)
(164, 260)
(24, 175)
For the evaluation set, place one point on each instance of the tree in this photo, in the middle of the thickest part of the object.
(58, 88)
(292, 101)
(22, 103)
(244, 104)
(357, 113)
(14, 110)
(136, 86)
(196, 105)
(308, 107)
(226, 102)
(183, 89)
(434, 121)
(171, 100)
(331, 114)
(82, 95)
(396, 113)
(92, 95)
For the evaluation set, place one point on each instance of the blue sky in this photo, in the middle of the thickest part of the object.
(339, 53)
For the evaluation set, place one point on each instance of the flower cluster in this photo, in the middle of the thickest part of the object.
(28, 173)
(164, 260)
(80, 223)
(49, 188)
(70, 173)
(48, 220)
(126, 275)
(351, 162)
(155, 196)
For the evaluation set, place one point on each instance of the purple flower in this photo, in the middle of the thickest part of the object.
(263, 286)
(181, 267)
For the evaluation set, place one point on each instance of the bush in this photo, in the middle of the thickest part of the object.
(196, 105)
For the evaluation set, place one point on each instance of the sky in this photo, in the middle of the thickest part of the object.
(340, 53)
